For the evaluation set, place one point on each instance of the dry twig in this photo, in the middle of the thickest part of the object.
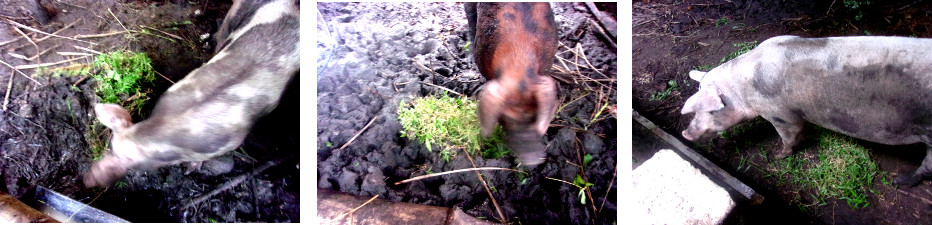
(100, 35)
(442, 87)
(88, 50)
(163, 32)
(230, 184)
(117, 19)
(487, 190)
(9, 86)
(453, 171)
(33, 66)
(45, 33)
(610, 184)
(354, 210)
(20, 72)
(358, 133)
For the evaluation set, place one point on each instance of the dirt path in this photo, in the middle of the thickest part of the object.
(673, 37)
(374, 55)
(45, 119)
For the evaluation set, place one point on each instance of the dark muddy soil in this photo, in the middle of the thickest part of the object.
(374, 55)
(44, 124)
(672, 37)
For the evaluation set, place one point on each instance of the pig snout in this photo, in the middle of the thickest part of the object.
(105, 172)
(515, 45)
(211, 110)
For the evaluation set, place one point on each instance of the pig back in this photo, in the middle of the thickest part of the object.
(874, 88)
(212, 109)
(512, 36)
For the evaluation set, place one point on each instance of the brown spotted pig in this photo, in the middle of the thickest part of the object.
(515, 44)
(873, 88)
(211, 110)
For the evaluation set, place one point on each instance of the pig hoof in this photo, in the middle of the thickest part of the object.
(906, 180)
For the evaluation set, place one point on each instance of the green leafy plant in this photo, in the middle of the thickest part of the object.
(582, 185)
(660, 96)
(722, 21)
(447, 121)
(855, 5)
(122, 77)
(743, 47)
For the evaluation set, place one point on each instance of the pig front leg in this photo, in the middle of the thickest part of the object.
(788, 127)
(924, 171)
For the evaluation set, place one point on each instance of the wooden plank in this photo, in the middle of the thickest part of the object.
(733, 184)
(14, 211)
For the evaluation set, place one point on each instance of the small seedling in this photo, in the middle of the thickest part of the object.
(582, 185)
(329, 144)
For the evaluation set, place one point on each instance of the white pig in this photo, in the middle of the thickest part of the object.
(211, 110)
(873, 88)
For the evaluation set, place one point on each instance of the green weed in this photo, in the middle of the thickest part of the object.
(742, 48)
(660, 96)
(121, 78)
(449, 122)
(854, 5)
(705, 68)
(722, 21)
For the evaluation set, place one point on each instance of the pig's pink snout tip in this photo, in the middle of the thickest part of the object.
(688, 136)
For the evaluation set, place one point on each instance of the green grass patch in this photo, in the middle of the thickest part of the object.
(843, 170)
(449, 122)
(743, 47)
(122, 77)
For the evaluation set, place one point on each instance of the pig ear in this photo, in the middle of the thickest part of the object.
(546, 94)
(706, 100)
(697, 75)
(490, 108)
(113, 116)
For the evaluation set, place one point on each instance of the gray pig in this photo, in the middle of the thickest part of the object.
(873, 88)
(211, 110)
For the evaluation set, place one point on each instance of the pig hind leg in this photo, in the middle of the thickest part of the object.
(924, 171)
(789, 128)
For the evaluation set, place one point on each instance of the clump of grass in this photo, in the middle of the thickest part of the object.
(450, 122)
(121, 78)
(743, 47)
(844, 171)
